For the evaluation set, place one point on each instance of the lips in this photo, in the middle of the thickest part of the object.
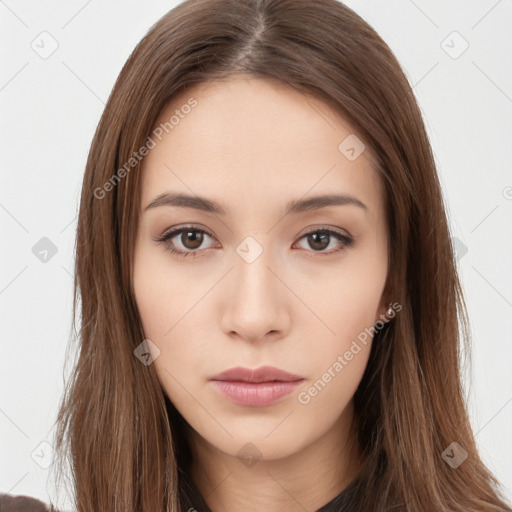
(262, 374)
(259, 387)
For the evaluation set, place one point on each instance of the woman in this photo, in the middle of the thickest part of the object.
(269, 296)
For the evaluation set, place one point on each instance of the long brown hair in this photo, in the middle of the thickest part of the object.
(117, 430)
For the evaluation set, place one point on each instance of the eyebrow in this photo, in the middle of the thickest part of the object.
(292, 207)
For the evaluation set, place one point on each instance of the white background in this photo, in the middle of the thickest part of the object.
(49, 111)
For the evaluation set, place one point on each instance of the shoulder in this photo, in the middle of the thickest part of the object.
(10, 503)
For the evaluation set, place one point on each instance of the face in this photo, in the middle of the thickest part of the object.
(256, 281)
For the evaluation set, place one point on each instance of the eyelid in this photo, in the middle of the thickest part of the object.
(322, 227)
(177, 230)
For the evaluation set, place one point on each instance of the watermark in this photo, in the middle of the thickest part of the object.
(304, 397)
(351, 147)
(43, 454)
(137, 156)
(44, 250)
(454, 455)
(454, 44)
(45, 45)
(249, 249)
(146, 352)
(459, 247)
(249, 454)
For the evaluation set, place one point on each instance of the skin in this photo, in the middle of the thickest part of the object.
(253, 145)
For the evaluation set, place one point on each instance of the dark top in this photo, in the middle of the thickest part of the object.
(9, 503)
(196, 501)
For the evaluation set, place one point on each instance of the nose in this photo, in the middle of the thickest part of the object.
(255, 305)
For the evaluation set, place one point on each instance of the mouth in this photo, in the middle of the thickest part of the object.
(255, 388)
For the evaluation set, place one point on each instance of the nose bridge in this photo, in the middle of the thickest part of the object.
(255, 282)
(254, 307)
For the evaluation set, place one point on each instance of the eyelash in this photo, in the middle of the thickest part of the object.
(346, 240)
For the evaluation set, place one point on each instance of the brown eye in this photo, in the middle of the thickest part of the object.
(320, 239)
(191, 239)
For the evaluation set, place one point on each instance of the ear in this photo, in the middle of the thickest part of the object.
(384, 304)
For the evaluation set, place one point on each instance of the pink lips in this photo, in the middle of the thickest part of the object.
(255, 388)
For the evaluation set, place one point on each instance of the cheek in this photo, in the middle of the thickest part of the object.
(171, 323)
(336, 382)
(152, 300)
(157, 299)
(352, 300)
(348, 307)
(338, 360)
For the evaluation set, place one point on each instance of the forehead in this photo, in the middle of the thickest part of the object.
(255, 140)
